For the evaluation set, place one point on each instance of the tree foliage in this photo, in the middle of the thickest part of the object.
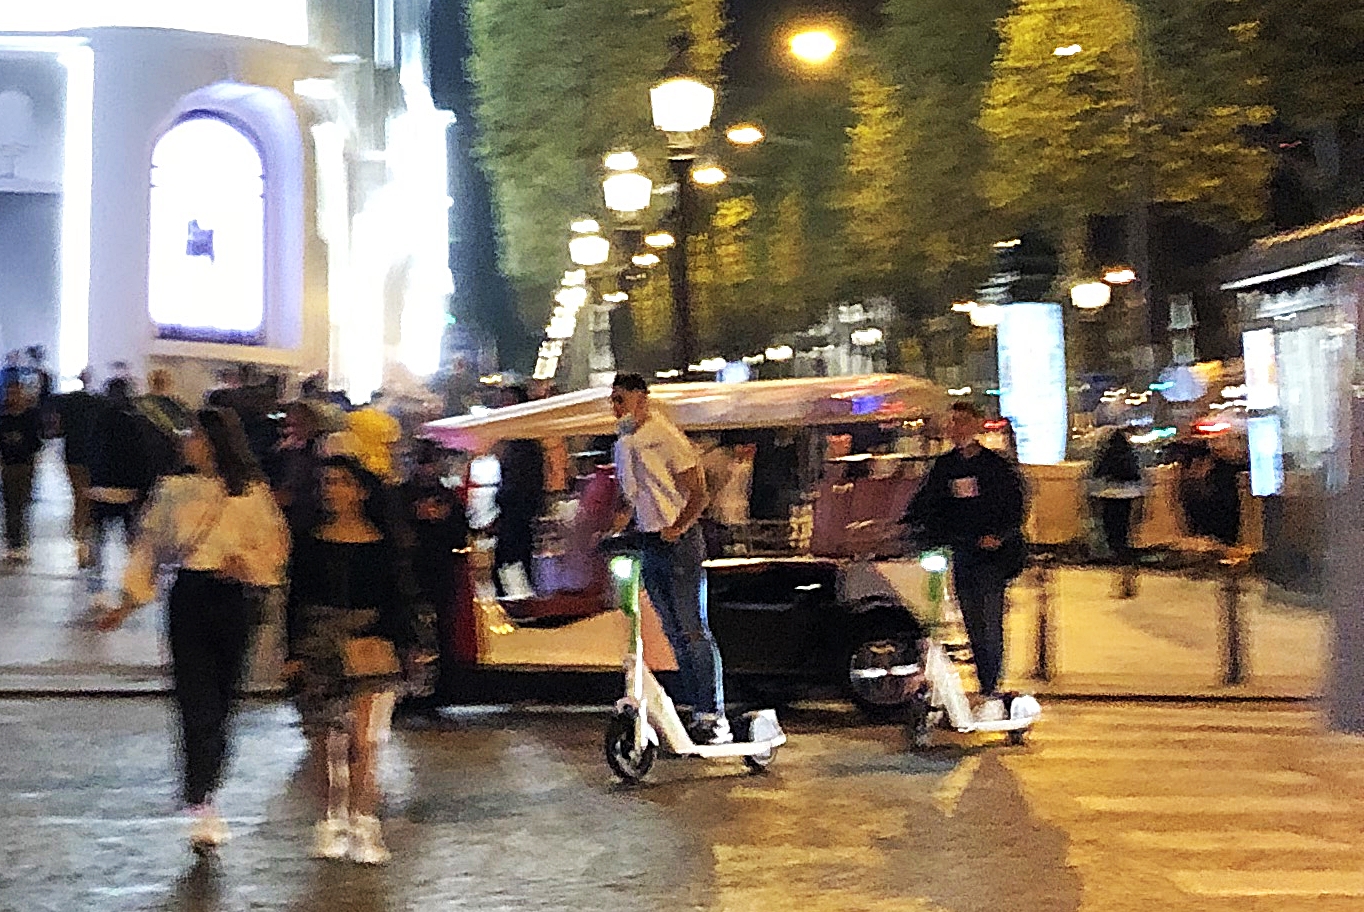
(1099, 131)
(558, 83)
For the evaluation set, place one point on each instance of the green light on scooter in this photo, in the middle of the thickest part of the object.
(933, 561)
(622, 568)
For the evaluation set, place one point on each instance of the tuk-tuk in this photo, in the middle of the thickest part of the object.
(810, 585)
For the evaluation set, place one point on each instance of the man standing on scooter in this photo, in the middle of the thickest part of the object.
(972, 502)
(661, 477)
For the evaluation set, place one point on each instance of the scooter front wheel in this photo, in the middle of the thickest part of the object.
(758, 763)
(628, 763)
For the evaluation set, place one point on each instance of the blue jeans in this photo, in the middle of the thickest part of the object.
(676, 583)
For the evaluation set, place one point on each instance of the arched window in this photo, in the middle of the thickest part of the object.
(207, 260)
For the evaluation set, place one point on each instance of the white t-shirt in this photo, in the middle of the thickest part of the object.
(647, 465)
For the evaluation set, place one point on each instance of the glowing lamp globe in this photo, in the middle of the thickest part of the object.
(682, 105)
(589, 250)
(627, 191)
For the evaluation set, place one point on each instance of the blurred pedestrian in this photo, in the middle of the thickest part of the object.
(1116, 487)
(167, 418)
(21, 439)
(356, 607)
(121, 471)
(76, 414)
(972, 501)
(520, 501)
(220, 528)
(435, 527)
(1210, 492)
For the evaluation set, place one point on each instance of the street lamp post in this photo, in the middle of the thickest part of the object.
(682, 107)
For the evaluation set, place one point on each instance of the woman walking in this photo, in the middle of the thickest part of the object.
(221, 528)
(355, 602)
(1115, 477)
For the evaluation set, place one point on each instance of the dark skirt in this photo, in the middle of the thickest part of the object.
(325, 693)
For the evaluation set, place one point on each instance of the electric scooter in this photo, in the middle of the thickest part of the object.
(645, 720)
(947, 705)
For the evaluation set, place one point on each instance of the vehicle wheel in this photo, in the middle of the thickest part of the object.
(1016, 736)
(758, 763)
(627, 763)
(879, 693)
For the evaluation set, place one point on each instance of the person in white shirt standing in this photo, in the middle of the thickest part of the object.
(221, 529)
(662, 479)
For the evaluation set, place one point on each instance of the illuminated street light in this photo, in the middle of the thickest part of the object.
(615, 297)
(589, 250)
(813, 46)
(645, 260)
(864, 337)
(627, 192)
(1090, 295)
(574, 277)
(585, 226)
(1005, 245)
(572, 298)
(745, 135)
(659, 240)
(779, 353)
(621, 161)
(1069, 50)
(682, 105)
(1122, 275)
(709, 175)
(986, 315)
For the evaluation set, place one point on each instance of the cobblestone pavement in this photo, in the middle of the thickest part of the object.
(1107, 808)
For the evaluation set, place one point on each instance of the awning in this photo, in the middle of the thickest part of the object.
(814, 401)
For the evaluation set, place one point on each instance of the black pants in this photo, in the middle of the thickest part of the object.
(980, 595)
(515, 545)
(209, 627)
(17, 482)
(1116, 515)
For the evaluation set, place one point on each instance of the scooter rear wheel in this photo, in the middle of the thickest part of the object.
(758, 763)
(628, 764)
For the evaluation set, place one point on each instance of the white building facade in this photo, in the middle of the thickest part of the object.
(198, 185)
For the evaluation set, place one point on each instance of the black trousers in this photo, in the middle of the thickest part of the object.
(980, 595)
(210, 625)
(1116, 515)
(515, 545)
(17, 482)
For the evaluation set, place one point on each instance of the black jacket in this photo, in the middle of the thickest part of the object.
(963, 500)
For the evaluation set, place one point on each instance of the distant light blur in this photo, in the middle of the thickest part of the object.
(814, 46)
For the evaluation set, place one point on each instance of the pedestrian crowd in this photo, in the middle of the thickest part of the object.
(255, 500)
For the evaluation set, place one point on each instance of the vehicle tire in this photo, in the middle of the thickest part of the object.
(621, 756)
(1016, 737)
(758, 763)
(886, 697)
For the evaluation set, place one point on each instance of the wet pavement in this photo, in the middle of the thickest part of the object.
(1107, 807)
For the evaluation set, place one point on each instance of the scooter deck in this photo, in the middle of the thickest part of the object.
(732, 749)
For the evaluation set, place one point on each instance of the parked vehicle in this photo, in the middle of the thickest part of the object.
(816, 592)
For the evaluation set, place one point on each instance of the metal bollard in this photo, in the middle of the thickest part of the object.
(1233, 632)
(1044, 669)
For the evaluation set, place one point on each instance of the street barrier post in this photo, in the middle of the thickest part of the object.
(1233, 630)
(1044, 668)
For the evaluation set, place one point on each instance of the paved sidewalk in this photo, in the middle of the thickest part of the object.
(1164, 642)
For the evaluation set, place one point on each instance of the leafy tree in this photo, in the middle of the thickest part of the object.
(558, 84)
(1099, 132)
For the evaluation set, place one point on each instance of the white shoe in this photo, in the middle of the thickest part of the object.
(367, 841)
(331, 838)
(992, 710)
(208, 832)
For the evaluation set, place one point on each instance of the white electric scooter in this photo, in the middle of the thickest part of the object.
(645, 719)
(947, 703)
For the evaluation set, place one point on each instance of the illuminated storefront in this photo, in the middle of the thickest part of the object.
(207, 184)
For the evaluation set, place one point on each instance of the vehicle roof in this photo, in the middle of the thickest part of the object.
(704, 407)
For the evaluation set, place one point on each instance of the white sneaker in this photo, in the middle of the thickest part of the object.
(209, 831)
(710, 729)
(992, 710)
(367, 841)
(331, 838)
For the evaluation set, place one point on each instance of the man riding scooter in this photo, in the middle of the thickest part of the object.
(662, 480)
(972, 502)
